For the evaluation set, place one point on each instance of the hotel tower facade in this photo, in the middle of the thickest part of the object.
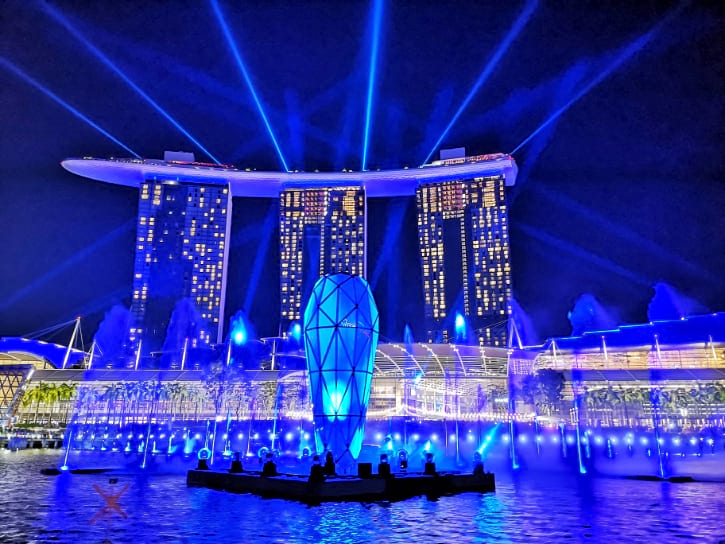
(182, 243)
(321, 231)
(180, 266)
(464, 253)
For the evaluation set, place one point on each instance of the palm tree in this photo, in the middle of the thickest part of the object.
(198, 396)
(112, 393)
(174, 392)
(66, 393)
(33, 395)
(43, 395)
(51, 398)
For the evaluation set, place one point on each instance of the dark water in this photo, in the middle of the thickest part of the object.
(557, 507)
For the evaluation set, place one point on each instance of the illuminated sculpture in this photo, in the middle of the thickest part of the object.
(341, 336)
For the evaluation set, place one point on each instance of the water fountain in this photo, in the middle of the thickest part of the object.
(668, 303)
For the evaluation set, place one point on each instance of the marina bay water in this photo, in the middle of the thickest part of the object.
(157, 506)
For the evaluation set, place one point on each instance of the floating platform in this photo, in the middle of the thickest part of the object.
(58, 471)
(343, 488)
(671, 479)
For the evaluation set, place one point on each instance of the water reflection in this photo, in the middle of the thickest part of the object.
(526, 507)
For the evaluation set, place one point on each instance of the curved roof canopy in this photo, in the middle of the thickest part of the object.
(251, 183)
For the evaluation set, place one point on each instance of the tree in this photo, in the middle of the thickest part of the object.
(543, 389)
(34, 395)
(112, 393)
(51, 399)
(66, 393)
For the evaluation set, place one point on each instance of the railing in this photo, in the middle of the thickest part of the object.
(696, 358)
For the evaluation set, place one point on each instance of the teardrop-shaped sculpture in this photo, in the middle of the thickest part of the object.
(341, 336)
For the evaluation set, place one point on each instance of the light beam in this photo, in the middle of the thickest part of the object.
(79, 257)
(377, 16)
(247, 79)
(573, 249)
(259, 260)
(396, 214)
(62, 20)
(513, 33)
(50, 94)
(624, 56)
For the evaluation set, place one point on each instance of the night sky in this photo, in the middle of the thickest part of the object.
(620, 189)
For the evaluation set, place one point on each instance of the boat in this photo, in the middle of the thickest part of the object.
(58, 471)
(374, 487)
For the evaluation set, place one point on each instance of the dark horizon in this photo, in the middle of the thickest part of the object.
(621, 188)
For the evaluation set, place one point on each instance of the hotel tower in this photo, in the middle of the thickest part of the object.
(321, 231)
(182, 245)
(182, 252)
(464, 252)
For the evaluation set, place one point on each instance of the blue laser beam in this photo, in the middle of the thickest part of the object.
(50, 94)
(631, 237)
(247, 79)
(577, 251)
(262, 250)
(563, 90)
(512, 34)
(62, 20)
(377, 17)
(78, 257)
(396, 215)
(628, 52)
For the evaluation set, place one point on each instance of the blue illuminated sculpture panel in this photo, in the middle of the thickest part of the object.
(341, 329)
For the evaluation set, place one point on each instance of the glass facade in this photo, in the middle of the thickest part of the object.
(181, 254)
(322, 231)
(341, 330)
(464, 249)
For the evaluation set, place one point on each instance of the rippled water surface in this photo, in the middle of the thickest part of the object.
(529, 508)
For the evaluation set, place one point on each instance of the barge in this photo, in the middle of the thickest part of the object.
(373, 487)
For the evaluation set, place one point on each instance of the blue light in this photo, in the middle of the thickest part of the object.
(460, 326)
(247, 79)
(492, 63)
(489, 439)
(460, 321)
(296, 331)
(625, 55)
(239, 334)
(377, 16)
(573, 249)
(103, 58)
(63, 103)
(265, 230)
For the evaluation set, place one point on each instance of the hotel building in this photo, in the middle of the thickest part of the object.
(181, 253)
(184, 220)
(322, 231)
(464, 251)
